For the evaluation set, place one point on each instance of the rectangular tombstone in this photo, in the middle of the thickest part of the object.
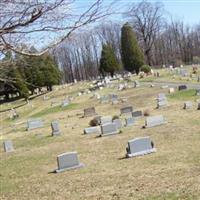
(8, 146)
(106, 119)
(162, 103)
(154, 121)
(182, 87)
(187, 105)
(140, 146)
(34, 124)
(88, 112)
(161, 97)
(137, 114)
(130, 121)
(118, 123)
(126, 110)
(55, 128)
(109, 129)
(65, 103)
(68, 161)
(92, 130)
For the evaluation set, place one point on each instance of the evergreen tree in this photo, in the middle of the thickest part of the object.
(132, 56)
(108, 61)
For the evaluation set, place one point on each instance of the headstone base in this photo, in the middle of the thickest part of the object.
(141, 153)
(70, 168)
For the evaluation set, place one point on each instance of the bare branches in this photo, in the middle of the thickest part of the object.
(44, 23)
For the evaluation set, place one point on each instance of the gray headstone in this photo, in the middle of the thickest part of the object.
(106, 119)
(109, 129)
(8, 146)
(130, 121)
(55, 128)
(154, 121)
(118, 123)
(137, 114)
(92, 130)
(34, 123)
(126, 110)
(140, 146)
(104, 99)
(182, 87)
(68, 161)
(187, 105)
(88, 112)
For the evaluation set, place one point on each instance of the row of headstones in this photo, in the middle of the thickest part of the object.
(136, 147)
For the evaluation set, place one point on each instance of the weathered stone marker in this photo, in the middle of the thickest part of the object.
(55, 128)
(92, 130)
(8, 146)
(118, 123)
(139, 147)
(137, 114)
(88, 112)
(187, 105)
(129, 121)
(154, 121)
(161, 100)
(126, 110)
(109, 129)
(34, 123)
(68, 161)
(106, 119)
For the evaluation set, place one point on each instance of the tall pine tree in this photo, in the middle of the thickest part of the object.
(108, 61)
(132, 55)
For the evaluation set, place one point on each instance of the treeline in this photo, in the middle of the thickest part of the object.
(22, 75)
(162, 41)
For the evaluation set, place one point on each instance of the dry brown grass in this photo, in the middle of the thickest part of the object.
(171, 173)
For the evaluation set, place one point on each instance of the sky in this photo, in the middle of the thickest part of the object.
(187, 10)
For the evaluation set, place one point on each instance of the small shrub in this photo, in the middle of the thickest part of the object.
(146, 69)
(146, 113)
(115, 117)
(94, 122)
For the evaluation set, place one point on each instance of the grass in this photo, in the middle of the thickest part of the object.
(172, 173)
(55, 109)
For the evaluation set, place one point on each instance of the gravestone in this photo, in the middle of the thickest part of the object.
(140, 146)
(88, 112)
(109, 129)
(55, 128)
(34, 124)
(154, 121)
(68, 161)
(171, 90)
(118, 123)
(8, 146)
(187, 105)
(65, 103)
(106, 119)
(136, 84)
(114, 98)
(161, 100)
(182, 87)
(104, 99)
(198, 92)
(129, 121)
(137, 114)
(92, 130)
(126, 110)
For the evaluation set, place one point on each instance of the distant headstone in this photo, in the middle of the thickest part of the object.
(171, 90)
(106, 119)
(154, 121)
(109, 129)
(8, 146)
(126, 110)
(187, 105)
(114, 98)
(139, 147)
(129, 121)
(34, 123)
(118, 123)
(92, 130)
(137, 114)
(104, 99)
(88, 112)
(55, 128)
(198, 92)
(182, 87)
(161, 100)
(68, 161)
